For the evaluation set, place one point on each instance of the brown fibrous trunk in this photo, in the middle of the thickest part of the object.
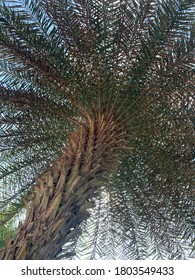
(63, 195)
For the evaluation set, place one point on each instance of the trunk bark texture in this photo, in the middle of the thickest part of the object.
(62, 197)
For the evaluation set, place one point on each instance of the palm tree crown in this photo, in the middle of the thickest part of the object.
(101, 91)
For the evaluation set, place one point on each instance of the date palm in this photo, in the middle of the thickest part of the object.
(97, 128)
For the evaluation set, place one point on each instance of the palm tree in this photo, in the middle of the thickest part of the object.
(97, 128)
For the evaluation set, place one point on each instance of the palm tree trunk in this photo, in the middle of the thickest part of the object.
(63, 195)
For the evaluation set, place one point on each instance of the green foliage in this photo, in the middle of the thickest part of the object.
(59, 61)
